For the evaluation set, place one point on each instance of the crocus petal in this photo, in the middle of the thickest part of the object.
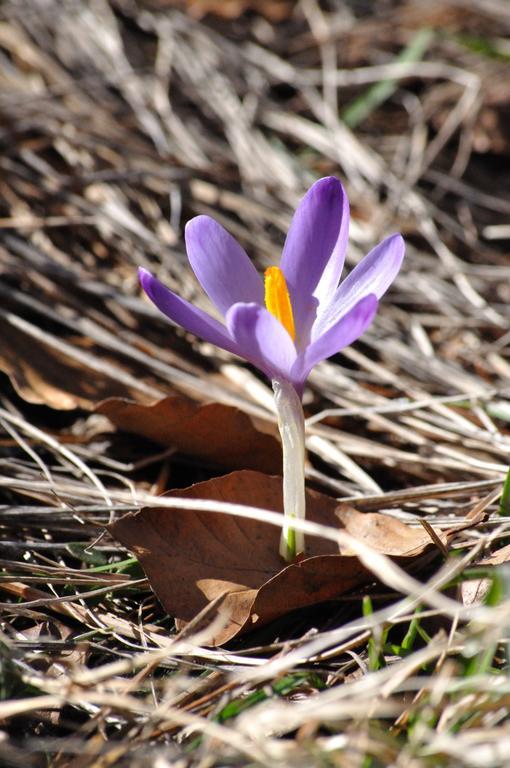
(314, 251)
(342, 333)
(261, 339)
(374, 274)
(185, 314)
(222, 267)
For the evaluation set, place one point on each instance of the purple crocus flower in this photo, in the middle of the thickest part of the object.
(301, 315)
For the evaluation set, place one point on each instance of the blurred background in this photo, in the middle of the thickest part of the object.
(121, 120)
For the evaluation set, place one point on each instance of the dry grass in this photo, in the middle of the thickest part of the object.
(121, 120)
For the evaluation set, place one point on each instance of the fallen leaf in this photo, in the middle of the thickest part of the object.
(274, 10)
(384, 533)
(474, 591)
(213, 432)
(43, 374)
(191, 557)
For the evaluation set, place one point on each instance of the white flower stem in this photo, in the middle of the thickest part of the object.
(291, 424)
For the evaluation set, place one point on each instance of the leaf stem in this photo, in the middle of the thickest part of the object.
(291, 424)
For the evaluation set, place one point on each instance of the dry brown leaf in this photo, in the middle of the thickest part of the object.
(213, 432)
(274, 10)
(192, 557)
(474, 591)
(44, 375)
(384, 533)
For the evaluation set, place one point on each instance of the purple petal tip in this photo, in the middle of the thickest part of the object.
(145, 277)
(328, 186)
(198, 221)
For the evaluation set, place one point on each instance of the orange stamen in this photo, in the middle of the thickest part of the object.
(278, 300)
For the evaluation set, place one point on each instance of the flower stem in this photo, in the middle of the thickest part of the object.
(291, 424)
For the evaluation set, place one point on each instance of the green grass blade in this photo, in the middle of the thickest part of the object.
(504, 502)
(359, 109)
